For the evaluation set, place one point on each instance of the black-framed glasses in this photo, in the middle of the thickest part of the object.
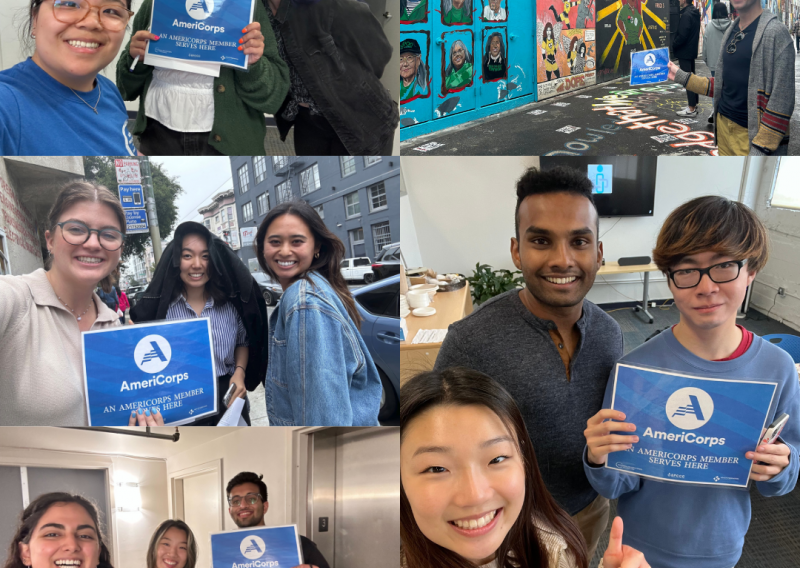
(250, 499)
(77, 233)
(737, 37)
(112, 15)
(720, 273)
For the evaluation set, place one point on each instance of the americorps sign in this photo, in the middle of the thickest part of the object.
(263, 547)
(167, 365)
(691, 429)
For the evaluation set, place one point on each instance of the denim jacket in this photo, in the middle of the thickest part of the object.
(320, 372)
(340, 51)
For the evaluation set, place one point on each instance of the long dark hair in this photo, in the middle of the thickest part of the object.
(191, 543)
(458, 386)
(720, 11)
(213, 286)
(32, 515)
(331, 251)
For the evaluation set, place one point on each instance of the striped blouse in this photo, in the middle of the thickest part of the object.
(224, 320)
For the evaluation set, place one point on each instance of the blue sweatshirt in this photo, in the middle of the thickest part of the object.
(699, 526)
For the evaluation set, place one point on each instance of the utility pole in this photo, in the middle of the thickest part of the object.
(150, 200)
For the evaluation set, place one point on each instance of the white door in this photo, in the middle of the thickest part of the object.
(202, 502)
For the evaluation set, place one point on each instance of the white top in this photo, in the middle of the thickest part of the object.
(181, 101)
(492, 16)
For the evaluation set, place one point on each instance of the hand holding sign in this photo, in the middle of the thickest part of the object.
(620, 555)
(146, 418)
(252, 42)
(672, 70)
(599, 439)
(139, 43)
(773, 457)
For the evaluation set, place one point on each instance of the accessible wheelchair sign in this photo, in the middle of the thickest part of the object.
(263, 547)
(691, 429)
(166, 365)
(649, 66)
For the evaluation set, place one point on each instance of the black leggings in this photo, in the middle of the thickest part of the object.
(688, 65)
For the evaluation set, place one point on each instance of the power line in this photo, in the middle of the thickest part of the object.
(203, 200)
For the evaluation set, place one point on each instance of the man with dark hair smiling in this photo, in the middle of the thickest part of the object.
(247, 505)
(548, 346)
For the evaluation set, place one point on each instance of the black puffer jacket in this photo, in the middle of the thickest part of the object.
(684, 46)
(232, 277)
(340, 51)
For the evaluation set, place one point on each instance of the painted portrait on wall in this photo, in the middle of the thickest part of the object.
(456, 12)
(495, 11)
(495, 58)
(413, 11)
(414, 72)
(458, 72)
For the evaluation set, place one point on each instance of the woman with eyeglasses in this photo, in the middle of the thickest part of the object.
(42, 314)
(68, 108)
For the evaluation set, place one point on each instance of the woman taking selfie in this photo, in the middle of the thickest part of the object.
(479, 499)
(54, 523)
(320, 372)
(69, 109)
(172, 546)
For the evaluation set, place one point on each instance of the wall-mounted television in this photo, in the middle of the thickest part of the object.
(624, 186)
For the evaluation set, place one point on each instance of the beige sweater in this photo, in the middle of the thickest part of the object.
(41, 368)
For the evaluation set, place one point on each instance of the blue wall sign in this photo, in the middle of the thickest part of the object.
(131, 196)
(649, 66)
(201, 30)
(691, 429)
(263, 547)
(136, 221)
(168, 365)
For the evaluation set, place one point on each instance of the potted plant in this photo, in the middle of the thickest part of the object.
(487, 283)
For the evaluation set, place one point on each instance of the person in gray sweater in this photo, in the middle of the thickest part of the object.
(712, 40)
(551, 349)
(753, 87)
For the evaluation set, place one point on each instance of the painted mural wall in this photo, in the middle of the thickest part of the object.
(464, 56)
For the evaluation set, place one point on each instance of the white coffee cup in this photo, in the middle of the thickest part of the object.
(418, 298)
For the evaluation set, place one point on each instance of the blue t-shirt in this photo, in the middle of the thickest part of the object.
(693, 526)
(41, 117)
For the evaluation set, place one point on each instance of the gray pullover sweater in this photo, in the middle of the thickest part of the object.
(504, 340)
(770, 90)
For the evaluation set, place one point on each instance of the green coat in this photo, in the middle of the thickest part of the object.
(460, 78)
(411, 91)
(417, 14)
(240, 97)
(460, 16)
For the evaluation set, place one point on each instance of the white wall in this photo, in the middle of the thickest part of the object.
(783, 267)
(463, 213)
(129, 532)
(261, 450)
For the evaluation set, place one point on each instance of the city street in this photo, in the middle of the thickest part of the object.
(608, 119)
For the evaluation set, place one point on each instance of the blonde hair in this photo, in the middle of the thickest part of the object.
(77, 192)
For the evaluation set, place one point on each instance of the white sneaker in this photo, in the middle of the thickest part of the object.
(686, 112)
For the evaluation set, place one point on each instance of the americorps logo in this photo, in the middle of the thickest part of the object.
(199, 9)
(152, 354)
(252, 547)
(649, 59)
(689, 408)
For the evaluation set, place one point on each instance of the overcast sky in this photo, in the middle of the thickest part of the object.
(200, 177)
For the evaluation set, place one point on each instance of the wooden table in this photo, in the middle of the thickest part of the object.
(450, 307)
(615, 268)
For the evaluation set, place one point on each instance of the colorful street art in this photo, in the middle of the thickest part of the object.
(624, 26)
(566, 45)
(413, 11)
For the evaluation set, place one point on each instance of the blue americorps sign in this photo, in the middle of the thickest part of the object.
(691, 429)
(201, 30)
(262, 547)
(649, 66)
(168, 365)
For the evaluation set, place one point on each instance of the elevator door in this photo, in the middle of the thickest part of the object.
(354, 497)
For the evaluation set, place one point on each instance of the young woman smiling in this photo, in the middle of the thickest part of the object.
(58, 529)
(43, 314)
(172, 546)
(320, 372)
(68, 108)
(470, 489)
(200, 276)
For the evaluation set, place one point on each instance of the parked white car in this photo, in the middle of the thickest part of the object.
(358, 269)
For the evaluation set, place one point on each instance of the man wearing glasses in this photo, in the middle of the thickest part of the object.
(710, 249)
(247, 505)
(753, 84)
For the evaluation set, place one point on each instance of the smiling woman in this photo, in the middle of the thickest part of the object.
(172, 546)
(68, 108)
(42, 314)
(58, 529)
